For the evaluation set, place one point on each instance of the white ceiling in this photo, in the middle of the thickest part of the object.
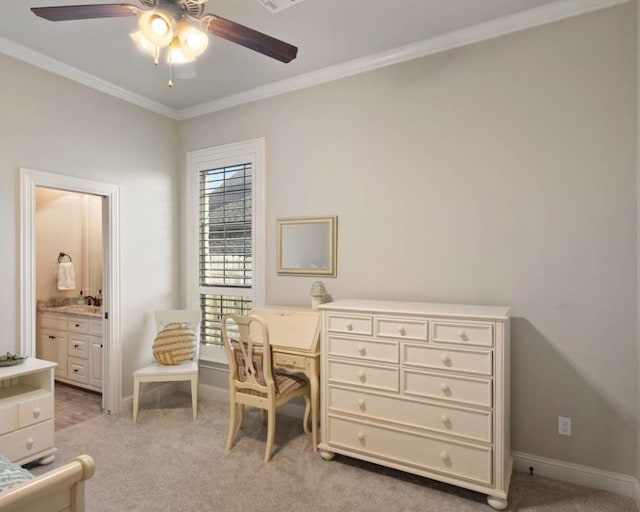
(327, 32)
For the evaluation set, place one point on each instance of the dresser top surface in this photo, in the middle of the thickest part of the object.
(419, 308)
(30, 365)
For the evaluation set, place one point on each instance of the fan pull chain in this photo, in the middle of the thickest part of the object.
(156, 55)
(170, 69)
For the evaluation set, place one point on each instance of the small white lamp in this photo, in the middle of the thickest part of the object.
(317, 292)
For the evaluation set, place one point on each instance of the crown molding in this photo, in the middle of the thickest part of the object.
(559, 10)
(530, 18)
(42, 61)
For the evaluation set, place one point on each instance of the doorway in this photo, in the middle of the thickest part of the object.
(30, 181)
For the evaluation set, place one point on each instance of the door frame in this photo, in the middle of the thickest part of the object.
(112, 364)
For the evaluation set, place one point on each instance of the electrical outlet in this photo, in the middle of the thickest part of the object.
(564, 426)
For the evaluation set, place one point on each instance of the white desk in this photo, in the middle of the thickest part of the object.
(294, 334)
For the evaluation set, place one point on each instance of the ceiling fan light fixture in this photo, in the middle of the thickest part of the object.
(156, 27)
(176, 54)
(143, 43)
(192, 41)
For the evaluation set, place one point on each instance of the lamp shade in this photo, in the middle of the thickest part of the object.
(192, 41)
(157, 27)
(317, 289)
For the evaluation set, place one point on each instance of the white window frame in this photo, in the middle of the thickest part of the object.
(250, 151)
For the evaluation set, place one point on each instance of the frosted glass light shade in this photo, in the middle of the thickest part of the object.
(192, 41)
(156, 26)
(176, 53)
(143, 43)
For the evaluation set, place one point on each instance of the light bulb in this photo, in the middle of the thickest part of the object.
(192, 41)
(159, 26)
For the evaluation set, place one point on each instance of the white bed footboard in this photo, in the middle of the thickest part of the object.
(59, 490)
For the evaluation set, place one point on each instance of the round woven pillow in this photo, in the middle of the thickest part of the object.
(174, 344)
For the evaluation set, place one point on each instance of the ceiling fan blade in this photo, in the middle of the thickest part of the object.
(245, 36)
(85, 12)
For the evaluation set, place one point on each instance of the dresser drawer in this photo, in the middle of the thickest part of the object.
(467, 333)
(35, 410)
(427, 453)
(446, 387)
(471, 361)
(28, 441)
(78, 325)
(402, 328)
(474, 425)
(78, 345)
(78, 370)
(353, 324)
(290, 362)
(8, 418)
(363, 375)
(370, 350)
(53, 322)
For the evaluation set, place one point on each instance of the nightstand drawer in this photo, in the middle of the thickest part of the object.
(352, 324)
(28, 441)
(8, 418)
(469, 390)
(370, 350)
(363, 375)
(460, 460)
(402, 328)
(35, 410)
(437, 358)
(467, 333)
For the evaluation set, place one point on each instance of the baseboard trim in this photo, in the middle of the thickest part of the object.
(636, 496)
(617, 483)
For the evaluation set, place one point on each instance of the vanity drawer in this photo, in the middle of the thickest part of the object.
(8, 418)
(431, 454)
(363, 375)
(437, 358)
(28, 441)
(290, 362)
(53, 322)
(468, 333)
(402, 328)
(352, 324)
(35, 410)
(466, 390)
(472, 424)
(78, 325)
(371, 350)
(78, 345)
(78, 370)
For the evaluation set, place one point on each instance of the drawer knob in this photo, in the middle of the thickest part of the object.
(360, 436)
(361, 403)
(29, 443)
(361, 375)
(75, 345)
(77, 325)
(462, 334)
(361, 349)
(36, 412)
(445, 419)
(402, 331)
(446, 360)
(444, 455)
(75, 370)
(445, 389)
(349, 326)
(52, 337)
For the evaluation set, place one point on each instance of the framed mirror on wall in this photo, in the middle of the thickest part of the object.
(308, 246)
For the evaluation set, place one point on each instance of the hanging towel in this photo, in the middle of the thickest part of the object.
(66, 276)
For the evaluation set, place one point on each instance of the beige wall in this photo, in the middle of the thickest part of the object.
(497, 173)
(52, 124)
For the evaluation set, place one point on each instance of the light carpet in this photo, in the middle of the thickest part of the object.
(167, 462)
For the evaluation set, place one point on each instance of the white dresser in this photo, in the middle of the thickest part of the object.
(26, 412)
(419, 387)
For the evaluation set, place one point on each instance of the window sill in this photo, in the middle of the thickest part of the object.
(211, 354)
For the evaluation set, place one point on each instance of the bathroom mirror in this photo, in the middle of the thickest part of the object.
(307, 246)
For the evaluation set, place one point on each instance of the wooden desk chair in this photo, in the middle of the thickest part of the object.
(185, 371)
(252, 379)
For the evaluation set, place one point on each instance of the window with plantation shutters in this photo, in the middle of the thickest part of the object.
(224, 194)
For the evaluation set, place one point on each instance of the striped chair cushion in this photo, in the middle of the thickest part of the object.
(285, 384)
(174, 344)
(11, 474)
(258, 363)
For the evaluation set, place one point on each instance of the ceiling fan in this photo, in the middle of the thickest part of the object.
(170, 24)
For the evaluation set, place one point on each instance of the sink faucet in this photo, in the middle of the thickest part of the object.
(92, 301)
